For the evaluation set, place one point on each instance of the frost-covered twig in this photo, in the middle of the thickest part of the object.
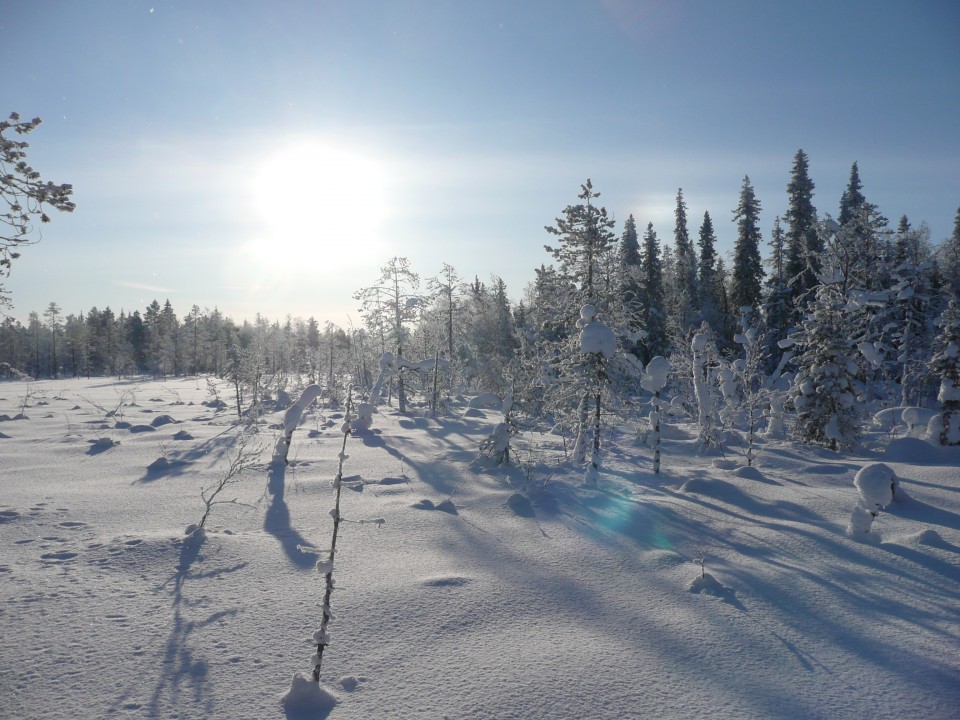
(322, 637)
(244, 459)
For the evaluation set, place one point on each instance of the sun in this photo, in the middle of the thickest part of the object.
(318, 202)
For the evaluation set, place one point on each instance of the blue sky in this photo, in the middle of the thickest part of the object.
(447, 131)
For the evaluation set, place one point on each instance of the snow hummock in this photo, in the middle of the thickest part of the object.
(573, 603)
(306, 699)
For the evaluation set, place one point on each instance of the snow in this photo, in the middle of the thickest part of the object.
(563, 603)
(656, 374)
(875, 483)
(597, 338)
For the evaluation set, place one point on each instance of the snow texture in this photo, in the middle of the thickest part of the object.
(575, 603)
(598, 339)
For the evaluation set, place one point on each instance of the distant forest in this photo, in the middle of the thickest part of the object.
(855, 286)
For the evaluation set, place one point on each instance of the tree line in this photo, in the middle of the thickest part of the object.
(887, 285)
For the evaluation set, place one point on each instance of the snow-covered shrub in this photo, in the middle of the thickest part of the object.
(654, 381)
(945, 364)
(703, 364)
(243, 459)
(291, 419)
(878, 486)
(599, 343)
(824, 389)
(364, 419)
(497, 444)
(321, 636)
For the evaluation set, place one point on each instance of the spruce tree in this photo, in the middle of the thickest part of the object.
(803, 243)
(950, 260)
(652, 295)
(686, 267)
(825, 389)
(630, 291)
(747, 265)
(777, 308)
(707, 272)
(945, 367)
(861, 228)
(852, 199)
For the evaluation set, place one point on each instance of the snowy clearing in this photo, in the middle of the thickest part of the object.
(472, 600)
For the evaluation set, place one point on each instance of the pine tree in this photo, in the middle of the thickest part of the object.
(803, 243)
(825, 389)
(584, 233)
(747, 265)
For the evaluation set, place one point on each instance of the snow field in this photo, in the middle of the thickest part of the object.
(574, 604)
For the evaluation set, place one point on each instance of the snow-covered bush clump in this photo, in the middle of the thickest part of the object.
(708, 420)
(824, 389)
(497, 444)
(596, 337)
(599, 343)
(364, 417)
(291, 419)
(878, 486)
(945, 426)
(654, 381)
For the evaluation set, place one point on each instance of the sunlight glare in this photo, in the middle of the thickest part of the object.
(321, 207)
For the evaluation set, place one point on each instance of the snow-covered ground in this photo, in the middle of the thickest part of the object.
(472, 601)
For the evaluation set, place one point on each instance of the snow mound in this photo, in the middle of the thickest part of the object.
(487, 401)
(182, 435)
(707, 584)
(717, 489)
(101, 444)
(913, 451)
(306, 699)
(161, 420)
(749, 472)
(927, 538)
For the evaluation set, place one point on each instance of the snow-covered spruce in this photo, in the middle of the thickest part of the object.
(825, 388)
(945, 364)
(703, 353)
(654, 381)
(364, 419)
(497, 444)
(291, 419)
(599, 343)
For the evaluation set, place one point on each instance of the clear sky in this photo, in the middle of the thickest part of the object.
(270, 156)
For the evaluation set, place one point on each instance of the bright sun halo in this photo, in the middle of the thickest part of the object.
(320, 205)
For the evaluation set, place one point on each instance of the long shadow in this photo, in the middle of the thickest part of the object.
(276, 522)
(179, 663)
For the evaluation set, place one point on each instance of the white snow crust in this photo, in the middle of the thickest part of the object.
(478, 597)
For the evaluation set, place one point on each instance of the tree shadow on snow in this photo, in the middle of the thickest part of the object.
(276, 522)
